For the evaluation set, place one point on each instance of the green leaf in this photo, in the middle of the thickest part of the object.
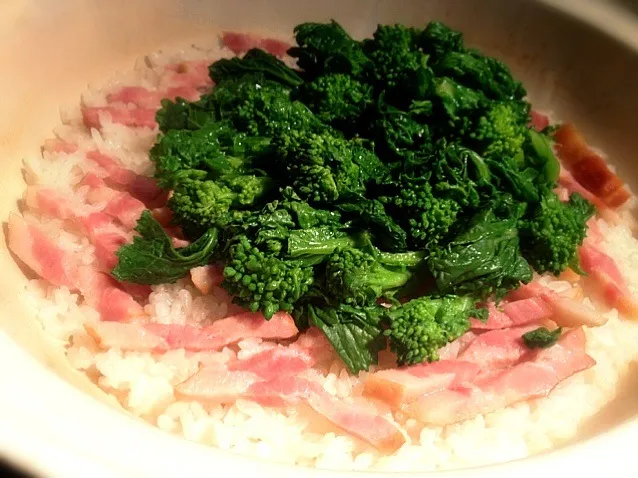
(542, 338)
(313, 245)
(355, 333)
(255, 61)
(181, 114)
(456, 98)
(484, 259)
(152, 259)
(371, 214)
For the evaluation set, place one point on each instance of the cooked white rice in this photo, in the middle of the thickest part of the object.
(144, 382)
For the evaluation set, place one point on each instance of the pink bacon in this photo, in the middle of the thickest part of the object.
(529, 379)
(163, 337)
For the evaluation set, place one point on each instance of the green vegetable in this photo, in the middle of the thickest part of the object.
(354, 332)
(398, 67)
(485, 259)
(313, 245)
(202, 204)
(399, 169)
(357, 277)
(337, 99)
(327, 48)
(320, 167)
(255, 61)
(217, 149)
(152, 259)
(426, 217)
(502, 130)
(555, 230)
(419, 328)
(541, 338)
(264, 282)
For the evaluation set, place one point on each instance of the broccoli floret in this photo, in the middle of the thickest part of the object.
(320, 167)
(217, 148)
(502, 130)
(264, 282)
(199, 204)
(551, 237)
(425, 217)
(420, 327)
(337, 99)
(399, 66)
(357, 277)
(260, 107)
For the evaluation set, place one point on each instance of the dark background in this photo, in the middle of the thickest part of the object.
(9, 470)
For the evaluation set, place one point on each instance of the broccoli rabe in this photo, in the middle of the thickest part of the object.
(254, 61)
(327, 48)
(437, 39)
(420, 327)
(481, 73)
(426, 218)
(377, 171)
(502, 130)
(152, 259)
(551, 236)
(484, 259)
(200, 204)
(357, 277)
(541, 338)
(354, 332)
(259, 107)
(264, 282)
(399, 67)
(319, 167)
(337, 99)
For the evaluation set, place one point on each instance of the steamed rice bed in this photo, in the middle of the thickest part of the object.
(144, 383)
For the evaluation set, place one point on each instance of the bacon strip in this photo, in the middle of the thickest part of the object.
(103, 293)
(56, 145)
(602, 270)
(538, 121)
(496, 319)
(40, 253)
(588, 168)
(141, 187)
(51, 263)
(147, 99)
(163, 337)
(185, 76)
(98, 226)
(356, 420)
(529, 379)
(566, 312)
(120, 114)
(404, 385)
(497, 348)
(513, 314)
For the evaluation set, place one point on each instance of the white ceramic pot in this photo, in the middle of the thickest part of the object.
(578, 58)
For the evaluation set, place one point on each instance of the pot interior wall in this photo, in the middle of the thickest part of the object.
(49, 51)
